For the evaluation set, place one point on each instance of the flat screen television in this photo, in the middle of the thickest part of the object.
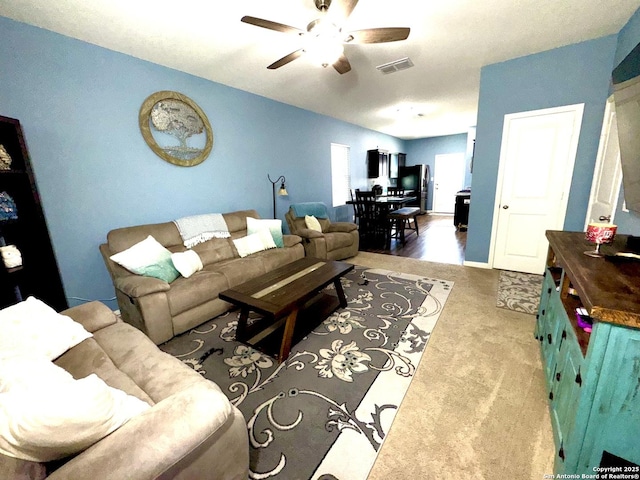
(626, 94)
(409, 182)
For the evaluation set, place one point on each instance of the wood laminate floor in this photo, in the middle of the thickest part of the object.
(439, 241)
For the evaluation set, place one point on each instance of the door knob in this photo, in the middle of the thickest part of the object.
(505, 206)
(605, 218)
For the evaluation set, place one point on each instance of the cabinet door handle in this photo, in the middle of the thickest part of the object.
(549, 339)
(550, 395)
(561, 451)
(558, 376)
(543, 311)
(549, 290)
(579, 378)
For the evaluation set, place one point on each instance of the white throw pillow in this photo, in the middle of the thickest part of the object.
(23, 371)
(41, 423)
(149, 258)
(312, 223)
(274, 226)
(35, 328)
(187, 263)
(256, 242)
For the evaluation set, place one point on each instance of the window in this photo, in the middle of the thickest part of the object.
(340, 174)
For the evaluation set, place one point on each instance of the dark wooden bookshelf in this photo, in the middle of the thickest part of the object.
(39, 275)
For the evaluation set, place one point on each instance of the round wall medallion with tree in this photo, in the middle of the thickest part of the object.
(175, 128)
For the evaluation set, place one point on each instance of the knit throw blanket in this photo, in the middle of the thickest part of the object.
(317, 209)
(200, 228)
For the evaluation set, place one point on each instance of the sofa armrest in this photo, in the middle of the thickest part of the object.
(136, 286)
(308, 234)
(93, 316)
(155, 442)
(290, 240)
(343, 227)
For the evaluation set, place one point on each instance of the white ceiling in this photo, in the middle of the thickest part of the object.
(450, 41)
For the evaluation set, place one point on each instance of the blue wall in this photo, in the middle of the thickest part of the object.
(578, 73)
(424, 151)
(628, 38)
(78, 105)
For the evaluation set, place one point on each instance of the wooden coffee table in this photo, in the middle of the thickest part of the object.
(283, 295)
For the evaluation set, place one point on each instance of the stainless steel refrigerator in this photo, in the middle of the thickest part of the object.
(416, 179)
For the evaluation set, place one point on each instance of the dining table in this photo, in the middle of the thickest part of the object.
(371, 216)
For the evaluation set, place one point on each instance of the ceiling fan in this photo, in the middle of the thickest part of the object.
(324, 38)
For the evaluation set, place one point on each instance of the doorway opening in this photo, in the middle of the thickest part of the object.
(448, 180)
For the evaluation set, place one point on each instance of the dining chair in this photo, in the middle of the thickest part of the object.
(374, 225)
(396, 191)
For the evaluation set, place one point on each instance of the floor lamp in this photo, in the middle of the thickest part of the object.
(282, 191)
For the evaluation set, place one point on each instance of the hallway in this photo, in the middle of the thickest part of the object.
(439, 241)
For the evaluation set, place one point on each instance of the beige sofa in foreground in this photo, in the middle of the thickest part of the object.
(190, 432)
(162, 310)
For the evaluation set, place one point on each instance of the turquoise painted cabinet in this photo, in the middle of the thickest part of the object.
(592, 379)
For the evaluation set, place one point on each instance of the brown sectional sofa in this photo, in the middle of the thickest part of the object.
(191, 430)
(162, 310)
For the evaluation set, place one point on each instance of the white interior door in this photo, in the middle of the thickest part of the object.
(607, 176)
(536, 165)
(448, 179)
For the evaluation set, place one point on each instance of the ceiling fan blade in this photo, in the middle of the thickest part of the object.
(341, 9)
(342, 65)
(279, 27)
(286, 59)
(378, 35)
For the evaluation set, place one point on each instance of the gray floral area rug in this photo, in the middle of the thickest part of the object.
(519, 291)
(324, 412)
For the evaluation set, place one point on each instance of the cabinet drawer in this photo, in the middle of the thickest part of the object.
(614, 423)
(556, 322)
(548, 285)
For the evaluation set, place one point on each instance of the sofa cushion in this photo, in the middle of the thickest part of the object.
(201, 287)
(237, 221)
(272, 259)
(215, 250)
(240, 270)
(18, 469)
(336, 240)
(166, 233)
(34, 327)
(157, 373)
(88, 357)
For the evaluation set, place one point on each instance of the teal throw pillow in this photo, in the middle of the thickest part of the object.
(149, 258)
(254, 225)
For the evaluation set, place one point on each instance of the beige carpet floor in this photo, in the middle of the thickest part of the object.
(477, 406)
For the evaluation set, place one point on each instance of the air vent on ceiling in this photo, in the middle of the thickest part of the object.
(396, 65)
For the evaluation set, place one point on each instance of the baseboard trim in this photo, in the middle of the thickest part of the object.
(484, 265)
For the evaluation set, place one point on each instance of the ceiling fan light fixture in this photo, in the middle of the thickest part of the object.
(324, 50)
(323, 5)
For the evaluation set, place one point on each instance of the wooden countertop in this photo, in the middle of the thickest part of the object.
(608, 288)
